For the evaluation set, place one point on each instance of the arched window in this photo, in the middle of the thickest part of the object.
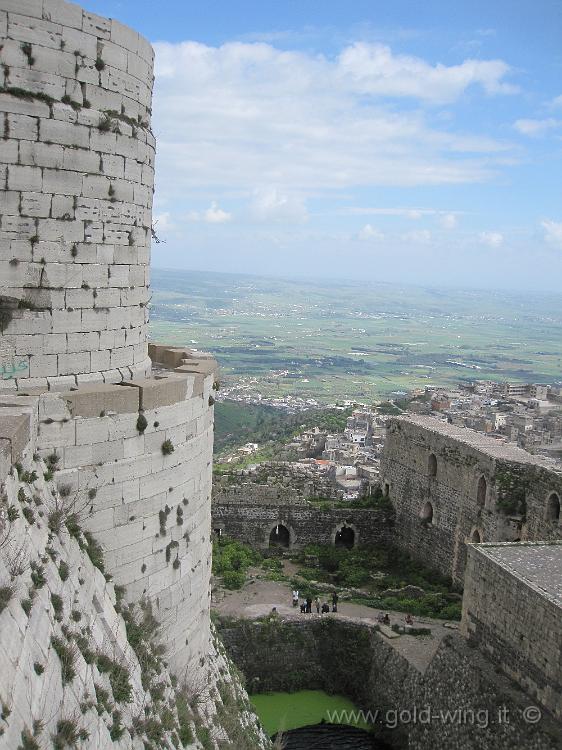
(553, 507)
(345, 537)
(386, 490)
(481, 492)
(426, 514)
(476, 537)
(279, 536)
(432, 465)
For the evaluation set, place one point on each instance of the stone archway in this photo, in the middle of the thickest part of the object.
(280, 536)
(481, 492)
(345, 537)
(432, 465)
(553, 508)
(476, 537)
(426, 513)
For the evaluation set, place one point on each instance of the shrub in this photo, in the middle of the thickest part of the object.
(142, 424)
(116, 729)
(6, 593)
(118, 678)
(94, 551)
(38, 575)
(55, 520)
(28, 742)
(64, 570)
(67, 658)
(39, 668)
(233, 579)
(26, 605)
(29, 515)
(68, 734)
(184, 717)
(57, 604)
(13, 513)
(167, 447)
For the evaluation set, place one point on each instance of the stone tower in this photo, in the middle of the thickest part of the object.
(77, 173)
(127, 426)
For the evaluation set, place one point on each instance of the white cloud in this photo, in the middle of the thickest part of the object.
(374, 69)
(448, 221)
(552, 232)
(557, 101)
(211, 215)
(370, 232)
(270, 204)
(536, 127)
(242, 115)
(491, 239)
(215, 215)
(419, 236)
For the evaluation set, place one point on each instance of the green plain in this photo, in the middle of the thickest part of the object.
(361, 341)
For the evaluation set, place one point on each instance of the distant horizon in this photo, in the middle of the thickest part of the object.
(365, 282)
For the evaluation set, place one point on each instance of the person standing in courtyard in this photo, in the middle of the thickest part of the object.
(295, 598)
(308, 605)
(335, 599)
(317, 604)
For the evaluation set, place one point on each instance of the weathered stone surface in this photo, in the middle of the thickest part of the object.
(451, 486)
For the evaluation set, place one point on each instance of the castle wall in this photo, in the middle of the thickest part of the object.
(149, 511)
(76, 173)
(251, 520)
(512, 610)
(459, 702)
(513, 506)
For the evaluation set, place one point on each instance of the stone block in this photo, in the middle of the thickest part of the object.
(16, 429)
(8, 150)
(92, 401)
(24, 178)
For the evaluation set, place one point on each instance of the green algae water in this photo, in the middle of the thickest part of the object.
(285, 711)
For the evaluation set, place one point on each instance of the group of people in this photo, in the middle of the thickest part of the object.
(307, 603)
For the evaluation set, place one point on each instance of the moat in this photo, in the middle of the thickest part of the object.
(314, 719)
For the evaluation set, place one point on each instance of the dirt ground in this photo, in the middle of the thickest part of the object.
(258, 597)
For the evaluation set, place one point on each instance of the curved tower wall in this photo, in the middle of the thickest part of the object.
(77, 174)
(130, 436)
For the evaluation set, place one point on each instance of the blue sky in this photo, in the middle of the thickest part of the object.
(403, 141)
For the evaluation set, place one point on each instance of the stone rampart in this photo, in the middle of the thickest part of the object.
(451, 486)
(512, 610)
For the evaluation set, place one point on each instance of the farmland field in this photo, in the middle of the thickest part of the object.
(328, 340)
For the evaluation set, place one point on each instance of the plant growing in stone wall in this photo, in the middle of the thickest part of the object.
(167, 448)
(511, 490)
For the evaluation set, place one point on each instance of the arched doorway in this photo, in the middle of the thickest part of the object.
(481, 492)
(280, 536)
(345, 537)
(476, 537)
(426, 514)
(432, 465)
(553, 507)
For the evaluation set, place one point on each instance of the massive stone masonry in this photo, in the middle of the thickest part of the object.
(451, 486)
(121, 430)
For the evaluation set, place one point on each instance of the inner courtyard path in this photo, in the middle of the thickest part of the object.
(258, 597)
